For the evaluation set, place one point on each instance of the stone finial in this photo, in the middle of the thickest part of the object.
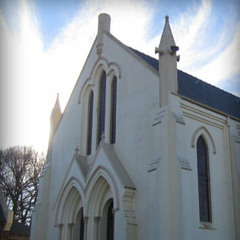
(104, 21)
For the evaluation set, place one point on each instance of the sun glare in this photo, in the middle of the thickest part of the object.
(34, 75)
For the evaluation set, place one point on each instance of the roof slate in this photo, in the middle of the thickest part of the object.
(200, 91)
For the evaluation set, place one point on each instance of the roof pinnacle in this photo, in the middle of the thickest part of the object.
(167, 64)
(55, 116)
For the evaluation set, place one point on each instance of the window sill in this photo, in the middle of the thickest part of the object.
(207, 226)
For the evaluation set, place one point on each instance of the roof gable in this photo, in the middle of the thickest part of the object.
(200, 91)
(112, 160)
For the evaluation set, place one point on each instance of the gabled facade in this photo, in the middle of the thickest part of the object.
(142, 151)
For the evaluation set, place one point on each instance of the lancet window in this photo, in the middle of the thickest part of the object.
(203, 181)
(101, 107)
(106, 112)
(90, 123)
(113, 110)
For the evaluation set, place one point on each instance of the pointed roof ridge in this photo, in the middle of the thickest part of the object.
(115, 163)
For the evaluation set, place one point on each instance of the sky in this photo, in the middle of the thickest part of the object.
(44, 44)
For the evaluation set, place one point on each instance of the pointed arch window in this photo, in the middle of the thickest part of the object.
(101, 107)
(203, 181)
(113, 110)
(90, 123)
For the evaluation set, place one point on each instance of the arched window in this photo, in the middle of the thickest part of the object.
(113, 110)
(203, 181)
(110, 222)
(101, 107)
(90, 123)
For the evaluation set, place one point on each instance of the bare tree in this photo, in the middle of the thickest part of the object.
(20, 168)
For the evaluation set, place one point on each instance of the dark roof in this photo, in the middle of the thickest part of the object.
(200, 91)
(19, 229)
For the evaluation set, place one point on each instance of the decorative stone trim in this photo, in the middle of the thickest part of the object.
(101, 63)
(97, 227)
(184, 163)
(203, 131)
(179, 118)
(85, 219)
(99, 49)
(159, 116)
(154, 164)
(129, 211)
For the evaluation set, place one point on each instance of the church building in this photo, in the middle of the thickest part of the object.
(143, 151)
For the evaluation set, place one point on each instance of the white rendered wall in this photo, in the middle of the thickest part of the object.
(140, 146)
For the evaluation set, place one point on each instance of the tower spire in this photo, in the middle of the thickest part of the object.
(167, 64)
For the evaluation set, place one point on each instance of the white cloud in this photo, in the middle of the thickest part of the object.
(213, 61)
(190, 34)
(224, 65)
(66, 56)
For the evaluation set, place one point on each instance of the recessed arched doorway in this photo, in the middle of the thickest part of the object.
(107, 221)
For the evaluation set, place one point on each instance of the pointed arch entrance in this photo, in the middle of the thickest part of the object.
(102, 201)
(69, 212)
